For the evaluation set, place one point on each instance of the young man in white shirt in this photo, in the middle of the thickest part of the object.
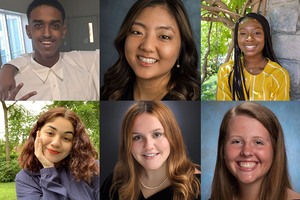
(53, 75)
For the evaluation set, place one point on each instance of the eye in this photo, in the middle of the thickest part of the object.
(242, 33)
(259, 142)
(49, 133)
(136, 32)
(137, 138)
(157, 135)
(67, 139)
(236, 142)
(257, 33)
(37, 25)
(56, 26)
(165, 37)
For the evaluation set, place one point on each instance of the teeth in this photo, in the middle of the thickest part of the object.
(247, 164)
(46, 42)
(147, 60)
(149, 155)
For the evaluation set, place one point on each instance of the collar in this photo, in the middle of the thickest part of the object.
(43, 72)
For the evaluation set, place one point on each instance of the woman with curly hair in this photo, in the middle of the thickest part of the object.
(254, 74)
(251, 160)
(152, 160)
(158, 59)
(58, 160)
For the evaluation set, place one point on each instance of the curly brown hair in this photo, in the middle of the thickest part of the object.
(81, 161)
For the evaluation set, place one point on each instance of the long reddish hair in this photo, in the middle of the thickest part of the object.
(81, 161)
(180, 169)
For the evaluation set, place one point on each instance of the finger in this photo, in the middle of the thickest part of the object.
(27, 96)
(13, 86)
(13, 94)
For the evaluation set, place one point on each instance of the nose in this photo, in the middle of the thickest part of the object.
(247, 150)
(47, 32)
(249, 37)
(149, 143)
(148, 43)
(56, 142)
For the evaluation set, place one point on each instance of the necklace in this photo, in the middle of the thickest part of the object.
(258, 66)
(153, 188)
(233, 198)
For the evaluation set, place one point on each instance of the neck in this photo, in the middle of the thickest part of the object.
(249, 191)
(152, 178)
(46, 61)
(151, 89)
(253, 61)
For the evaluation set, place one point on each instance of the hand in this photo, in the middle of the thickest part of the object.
(38, 151)
(8, 83)
(13, 94)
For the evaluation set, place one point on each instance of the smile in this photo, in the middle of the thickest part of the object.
(47, 43)
(147, 60)
(53, 151)
(250, 47)
(150, 155)
(247, 165)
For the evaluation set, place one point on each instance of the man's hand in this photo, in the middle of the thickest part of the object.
(8, 89)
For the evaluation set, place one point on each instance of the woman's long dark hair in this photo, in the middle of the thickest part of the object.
(186, 79)
(238, 83)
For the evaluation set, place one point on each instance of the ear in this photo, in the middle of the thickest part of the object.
(38, 133)
(64, 31)
(28, 32)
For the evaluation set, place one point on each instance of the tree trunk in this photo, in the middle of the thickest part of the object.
(7, 152)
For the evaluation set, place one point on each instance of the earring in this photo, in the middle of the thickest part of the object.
(177, 65)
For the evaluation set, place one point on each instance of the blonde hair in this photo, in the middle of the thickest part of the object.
(180, 169)
(276, 182)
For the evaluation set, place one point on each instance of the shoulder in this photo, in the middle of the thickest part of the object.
(21, 60)
(226, 67)
(80, 54)
(292, 195)
(105, 187)
(275, 69)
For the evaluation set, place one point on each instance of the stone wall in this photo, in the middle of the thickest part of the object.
(283, 16)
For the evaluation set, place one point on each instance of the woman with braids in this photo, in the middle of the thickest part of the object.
(152, 160)
(58, 160)
(158, 59)
(254, 74)
(251, 160)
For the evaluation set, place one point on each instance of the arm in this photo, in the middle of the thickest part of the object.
(283, 92)
(8, 89)
(48, 187)
(223, 91)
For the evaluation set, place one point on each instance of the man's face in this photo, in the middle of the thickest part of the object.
(46, 29)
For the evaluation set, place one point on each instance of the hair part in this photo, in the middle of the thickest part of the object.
(276, 181)
(180, 169)
(81, 161)
(237, 74)
(52, 3)
(120, 76)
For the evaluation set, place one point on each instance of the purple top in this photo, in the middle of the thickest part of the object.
(50, 184)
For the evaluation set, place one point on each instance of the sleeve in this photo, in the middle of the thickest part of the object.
(96, 184)
(49, 186)
(223, 91)
(20, 62)
(282, 92)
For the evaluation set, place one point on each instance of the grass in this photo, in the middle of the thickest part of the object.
(8, 191)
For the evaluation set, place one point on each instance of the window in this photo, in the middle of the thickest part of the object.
(11, 36)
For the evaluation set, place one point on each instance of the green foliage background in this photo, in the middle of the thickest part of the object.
(220, 40)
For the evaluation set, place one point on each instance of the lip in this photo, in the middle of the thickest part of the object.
(144, 63)
(47, 43)
(150, 156)
(245, 163)
(250, 47)
(51, 151)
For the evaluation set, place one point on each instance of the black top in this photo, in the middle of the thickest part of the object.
(128, 94)
(165, 194)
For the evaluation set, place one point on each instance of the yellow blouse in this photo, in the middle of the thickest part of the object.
(272, 84)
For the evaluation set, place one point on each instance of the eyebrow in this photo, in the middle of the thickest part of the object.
(158, 129)
(56, 129)
(254, 28)
(40, 21)
(170, 28)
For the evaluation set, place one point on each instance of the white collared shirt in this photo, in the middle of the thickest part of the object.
(74, 77)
